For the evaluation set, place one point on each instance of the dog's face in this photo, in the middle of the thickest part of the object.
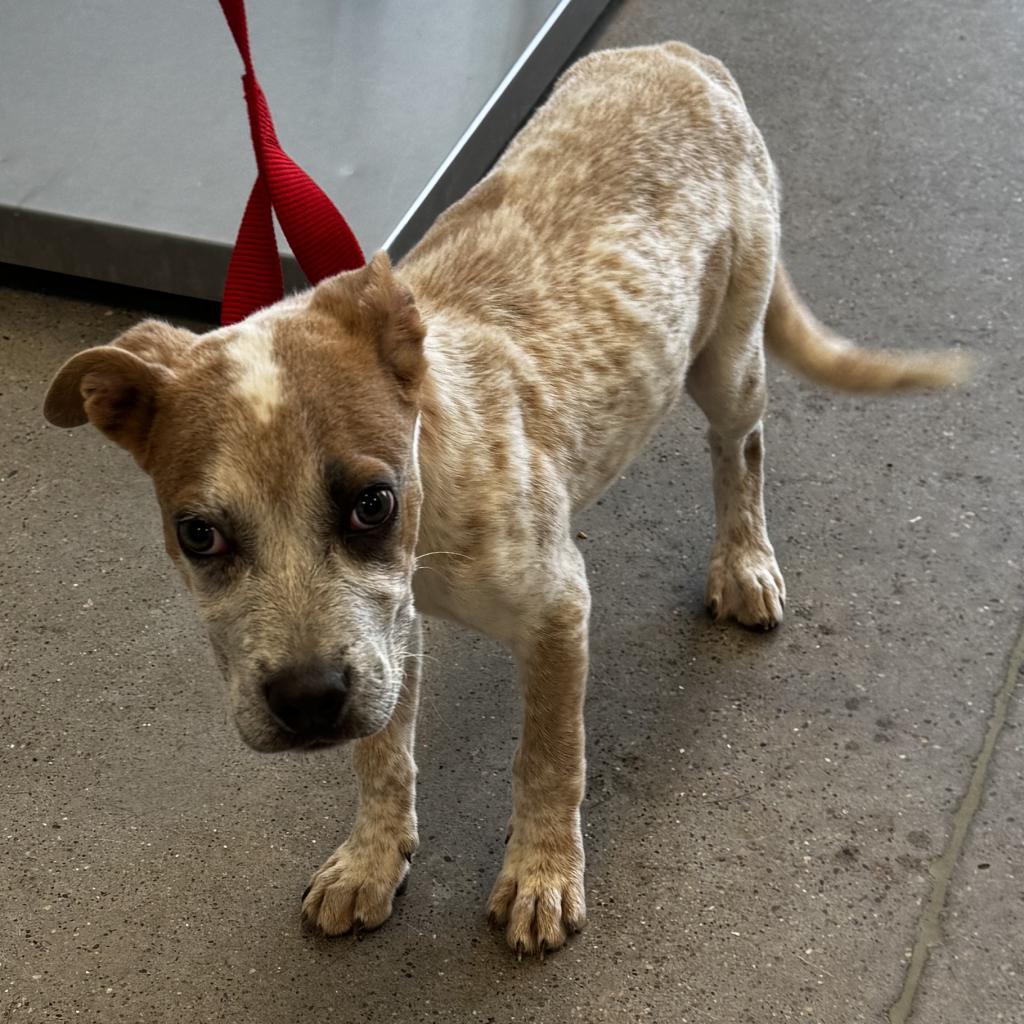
(283, 454)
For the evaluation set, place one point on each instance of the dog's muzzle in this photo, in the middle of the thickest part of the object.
(308, 701)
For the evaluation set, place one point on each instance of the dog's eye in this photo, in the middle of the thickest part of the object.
(373, 508)
(197, 537)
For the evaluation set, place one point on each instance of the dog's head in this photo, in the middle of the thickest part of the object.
(283, 454)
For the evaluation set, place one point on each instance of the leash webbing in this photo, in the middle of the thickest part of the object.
(319, 236)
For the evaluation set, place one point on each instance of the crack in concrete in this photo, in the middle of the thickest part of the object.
(929, 928)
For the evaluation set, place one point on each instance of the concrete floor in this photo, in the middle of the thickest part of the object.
(776, 825)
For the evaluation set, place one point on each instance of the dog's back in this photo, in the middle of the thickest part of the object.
(585, 273)
(633, 218)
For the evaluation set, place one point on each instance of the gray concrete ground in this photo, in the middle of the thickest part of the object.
(779, 828)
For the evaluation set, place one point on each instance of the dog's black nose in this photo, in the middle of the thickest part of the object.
(308, 699)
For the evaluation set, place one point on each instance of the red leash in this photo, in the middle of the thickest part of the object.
(322, 241)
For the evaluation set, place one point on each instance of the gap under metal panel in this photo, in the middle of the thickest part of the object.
(124, 145)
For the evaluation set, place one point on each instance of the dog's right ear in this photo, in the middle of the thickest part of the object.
(117, 387)
(373, 303)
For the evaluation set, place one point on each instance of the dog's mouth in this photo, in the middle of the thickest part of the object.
(321, 743)
(262, 731)
(351, 729)
(284, 741)
(273, 739)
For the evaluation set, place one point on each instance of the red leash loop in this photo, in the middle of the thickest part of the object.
(322, 241)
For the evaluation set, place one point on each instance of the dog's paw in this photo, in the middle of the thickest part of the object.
(538, 897)
(744, 583)
(356, 887)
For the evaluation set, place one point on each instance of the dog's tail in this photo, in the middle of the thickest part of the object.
(794, 335)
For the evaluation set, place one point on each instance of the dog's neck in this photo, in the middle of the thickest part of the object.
(460, 425)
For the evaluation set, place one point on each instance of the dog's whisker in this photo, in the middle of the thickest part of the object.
(419, 657)
(451, 554)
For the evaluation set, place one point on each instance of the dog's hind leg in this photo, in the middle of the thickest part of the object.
(538, 896)
(727, 380)
(356, 886)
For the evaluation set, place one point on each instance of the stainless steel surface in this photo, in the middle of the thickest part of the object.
(124, 148)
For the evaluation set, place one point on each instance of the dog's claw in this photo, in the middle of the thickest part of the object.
(307, 891)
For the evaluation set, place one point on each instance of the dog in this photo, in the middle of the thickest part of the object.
(456, 412)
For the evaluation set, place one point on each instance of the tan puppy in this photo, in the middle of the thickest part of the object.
(460, 411)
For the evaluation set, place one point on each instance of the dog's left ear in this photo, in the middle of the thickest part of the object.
(117, 387)
(372, 301)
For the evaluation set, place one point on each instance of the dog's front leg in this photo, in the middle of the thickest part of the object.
(538, 896)
(356, 886)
